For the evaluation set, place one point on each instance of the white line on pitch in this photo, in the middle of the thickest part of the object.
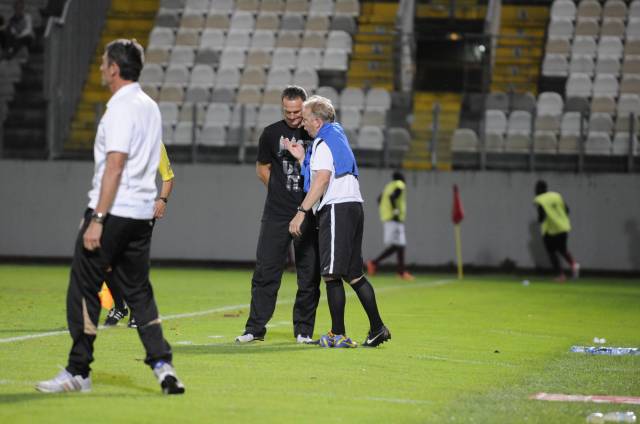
(230, 308)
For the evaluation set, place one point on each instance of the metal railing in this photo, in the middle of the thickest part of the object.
(70, 43)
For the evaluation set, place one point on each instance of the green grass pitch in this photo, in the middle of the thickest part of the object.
(470, 351)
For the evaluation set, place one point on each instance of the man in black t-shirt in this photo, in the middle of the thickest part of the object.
(279, 171)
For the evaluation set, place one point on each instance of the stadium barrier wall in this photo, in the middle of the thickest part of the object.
(214, 214)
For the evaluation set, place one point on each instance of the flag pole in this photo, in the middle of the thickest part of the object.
(458, 250)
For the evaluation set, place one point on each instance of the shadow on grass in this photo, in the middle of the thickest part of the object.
(252, 348)
(121, 381)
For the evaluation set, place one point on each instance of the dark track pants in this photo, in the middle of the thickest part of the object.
(271, 257)
(125, 248)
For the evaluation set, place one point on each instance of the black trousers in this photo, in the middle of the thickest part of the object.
(555, 244)
(271, 257)
(125, 249)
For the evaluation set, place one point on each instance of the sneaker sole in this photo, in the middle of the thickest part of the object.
(384, 340)
(170, 386)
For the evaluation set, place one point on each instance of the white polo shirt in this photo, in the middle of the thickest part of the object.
(340, 190)
(131, 125)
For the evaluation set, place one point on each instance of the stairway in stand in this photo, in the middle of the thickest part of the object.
(419, 156)
(126, 19)
(372, 63)
(520, 49)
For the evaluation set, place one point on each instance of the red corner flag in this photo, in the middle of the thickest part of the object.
(457, 214)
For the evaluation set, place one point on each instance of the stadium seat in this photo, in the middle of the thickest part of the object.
(623, 123)
(202, 75)
(547, 123)
(560, 27)
(169, 112)
(152, 73)
(584, 46)
(268, 114)
(289, 39)
(258, 59)
(370, 138)
(398, 138)
(603, 104)
(550, 103)
(212, 135)
(352, 97)
(317, 23)
(188, 37)
(233, 58)
(250, 116)
(300, 7)
(306, 78)
(321, 7)
(344, 23)
(228, 78)
(587, 28)
(198, 94)
(578, 85)
(339, 40)
(565, 9)
(197, 5)
(272, 96)
(634, 10)
(545, 142)
(497, 101)
(631, 65)
(374, 118)
(263, 40)
(182, 55)
(272, 6)
(612, 27)
(206, 56)
(183, 134)
(610, 47)
(161, 37)
(314, 40)
(172, 93)
(309, 59)
(218, 114)
(283, 58)
(350, 117)
(614, 9)
(570, 124)
(349, 8)
(237, 40)
(589, 9)
(253, 77)
(519, 122)
(464, 140)
(250, 6)
(608, 65)
(242, 20)
(597, 144)
(559, 46)
(158, 55)
(193, 20)
(221, 6)
(517, 143)
(605, 84)
(172, 4)
(167, 18)
(292, 23)
(278, 78)
(628, 103)
(495, 128)
(329, 93)
(177, 74)
(630, 84)
(581, 64)
(218, 21)
(600, 123)
(223, 95)
(268, 22)
(555, 65)
(188, 109)
(335, 60)
(151, 90)
(620, 144)
(577, 104)
(249, 95)
(378, 99)
(523, 101)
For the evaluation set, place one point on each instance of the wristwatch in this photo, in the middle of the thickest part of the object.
(164, 199)
(98, 217)
(301, 209)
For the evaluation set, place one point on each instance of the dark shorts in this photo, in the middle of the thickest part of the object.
(340, 240)
(556, 242)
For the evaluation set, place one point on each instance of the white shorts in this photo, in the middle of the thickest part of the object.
(394, 233)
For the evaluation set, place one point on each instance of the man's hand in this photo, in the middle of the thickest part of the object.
(295, 226)
(158, 208)
(92, 235)
(296, 150)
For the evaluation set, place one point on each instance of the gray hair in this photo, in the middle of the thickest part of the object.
(321, 107)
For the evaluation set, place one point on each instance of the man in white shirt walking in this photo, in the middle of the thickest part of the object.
(334, 195)
(116, 231)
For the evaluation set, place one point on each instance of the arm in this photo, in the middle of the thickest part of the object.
(108, 189)
(263, 171)
(161, 202)
(319, 185)
(541, 214)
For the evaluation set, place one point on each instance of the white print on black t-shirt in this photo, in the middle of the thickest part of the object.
(290, 166)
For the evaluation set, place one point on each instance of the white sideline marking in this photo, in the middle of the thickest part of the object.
(391, 400)
(400, 286)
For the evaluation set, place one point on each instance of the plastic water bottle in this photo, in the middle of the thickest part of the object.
(620, 417)
(595, 418)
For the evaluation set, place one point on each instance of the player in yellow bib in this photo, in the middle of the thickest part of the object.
(393, 212)
(120, 309)
(553, 215)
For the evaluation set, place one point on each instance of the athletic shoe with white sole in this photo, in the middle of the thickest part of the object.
(115, 315)
(65, 382)
(166, 375)
(377, 338)
(132, 322)
(304, 339)
(248, 338)
(575, 270)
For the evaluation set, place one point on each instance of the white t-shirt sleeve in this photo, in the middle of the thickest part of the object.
(323, 159)
(119, 130)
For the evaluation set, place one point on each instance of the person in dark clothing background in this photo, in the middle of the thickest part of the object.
(553, 215)
(393, 212)
(280, 173)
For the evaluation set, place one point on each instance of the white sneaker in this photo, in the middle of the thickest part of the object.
(304, 339)
(169, 382)
(65, 382)
(575, 270)
(248, 338)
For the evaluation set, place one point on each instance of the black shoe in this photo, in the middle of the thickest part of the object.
(166, 375)
(115, 315)
(132, 322)
(378, 338)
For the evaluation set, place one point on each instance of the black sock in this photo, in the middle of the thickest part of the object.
(387, 252)
(401, 260)
(337, 300)
(367, 296)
